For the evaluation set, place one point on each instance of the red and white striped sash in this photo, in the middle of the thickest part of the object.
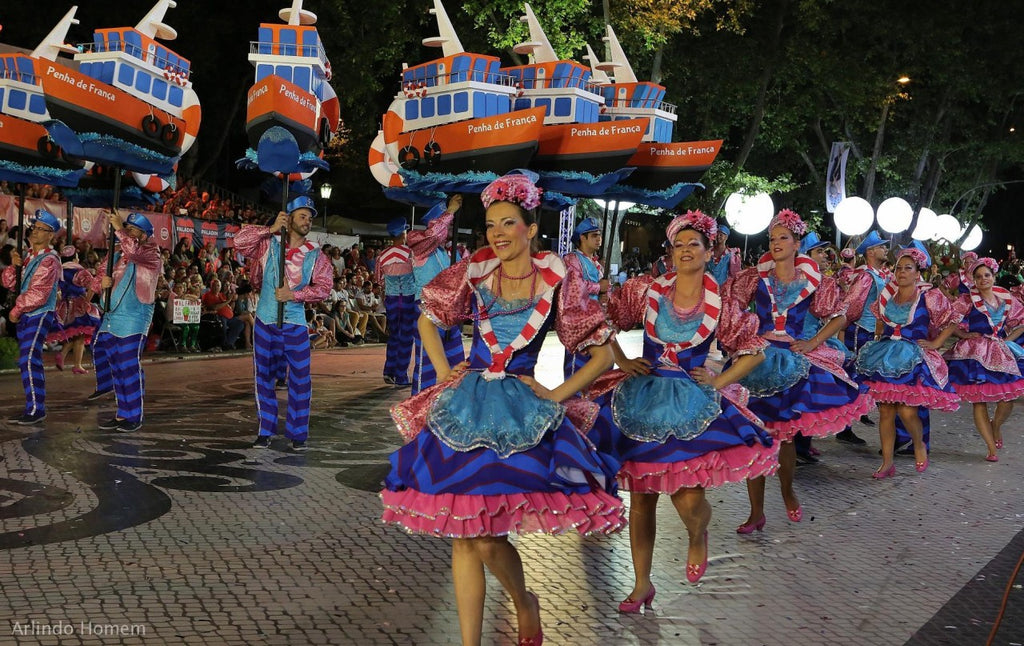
(663, 287)
(804, 265)
(294, 258)
(482, 268)
(979, 304)
(886, 297)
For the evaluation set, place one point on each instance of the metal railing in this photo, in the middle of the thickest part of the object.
(275, 49)
(136, 52)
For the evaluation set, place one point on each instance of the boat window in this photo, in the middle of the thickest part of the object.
(460, 68)
(288, 41)
(266, 40)
(160, 89)
(97, 41)
(427, 107)
(126, 74)
(528, 78)
(563, 106)
(561, 76)
(1, 97)
(284, 71)
(431, 75)
(461, 101)
(310, 42)
(107, 72)
(504, 104)
(522, 103)
(143, 82)
(444, 105)
(479, 69)
(17, 99)
(114, 41)
(175, 96)
(412, 109)
(546, 104)
(133, 44)
(301, 77)
(263, 71)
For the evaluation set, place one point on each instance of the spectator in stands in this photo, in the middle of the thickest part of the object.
(338, 261)
(345, 319)
(367, 302)
(245, 305)
(182, 256)
(216, 302)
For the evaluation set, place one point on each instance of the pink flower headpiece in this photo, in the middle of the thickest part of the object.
(692, 220)
(68, 251)
(847, 254)
(515, 187)
(918, 256)
(791, 220)
(986, 262)
(968, 259)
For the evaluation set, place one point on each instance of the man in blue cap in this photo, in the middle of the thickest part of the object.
(583, 262)
(34, 309)
(429, 258)
(308, 278)
(394, 269)
(117, 349)
(725, 261)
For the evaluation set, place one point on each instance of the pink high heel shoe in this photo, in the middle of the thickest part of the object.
(537, 639)
(921, 466)
(888, 473)
(992, 458)
(748, 528)
(695, 572)
(629, 606)
(999, 444)
(795, 515)
(79, 371)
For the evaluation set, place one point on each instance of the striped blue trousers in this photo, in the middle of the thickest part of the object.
(273, 349)
(32, 331)
(423, 373)
(401, 313)
(119, 366)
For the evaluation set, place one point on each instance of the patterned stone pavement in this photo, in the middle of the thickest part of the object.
(181, 534)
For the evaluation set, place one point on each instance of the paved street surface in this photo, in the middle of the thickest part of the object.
(182, 534)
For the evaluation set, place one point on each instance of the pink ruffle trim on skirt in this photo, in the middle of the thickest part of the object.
(823, 423)
(469, 516)
(712, 469)
(59, 336)
(977, 393)
(913, 395)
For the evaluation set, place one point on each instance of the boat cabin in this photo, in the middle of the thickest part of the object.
(638, 100)
(455, 88)
(293, 53)
(20, 92)
(563, 88)
(135, 63)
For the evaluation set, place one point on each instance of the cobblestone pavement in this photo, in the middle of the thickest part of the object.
(181, 534)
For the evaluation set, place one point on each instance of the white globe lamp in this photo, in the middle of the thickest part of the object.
(973, 240)
(925, 229)
(947, 229)
(895, 214)
(854, 216)
(749, 214)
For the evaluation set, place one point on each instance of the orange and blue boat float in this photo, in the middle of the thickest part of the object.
(27, 153)
(452, 126)
(292, 89)
(666, 171)
(129, 103)
(576, 154)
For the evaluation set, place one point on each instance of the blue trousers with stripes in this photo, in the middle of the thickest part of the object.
(32, 331)
(401, 313)
(118, 366)
(423, 373)
(272, 348)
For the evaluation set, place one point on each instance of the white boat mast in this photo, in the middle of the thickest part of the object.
(448, 41)
(153, 25)
(623, 71)
(56, 41)
(538, 47)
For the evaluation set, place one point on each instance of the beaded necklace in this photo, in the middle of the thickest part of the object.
(485, 311)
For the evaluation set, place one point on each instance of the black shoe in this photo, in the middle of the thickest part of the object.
(262, 442)
(280, 384)
(343, 344)
(28, 420)
(110, 424)
(299, 445)
(388, 379)
(358, 340)
(867, 421)
(129, 427)
(847, 436)
(806, 458)
(98, 393)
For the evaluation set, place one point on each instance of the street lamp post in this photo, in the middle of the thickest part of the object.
(325, 194)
